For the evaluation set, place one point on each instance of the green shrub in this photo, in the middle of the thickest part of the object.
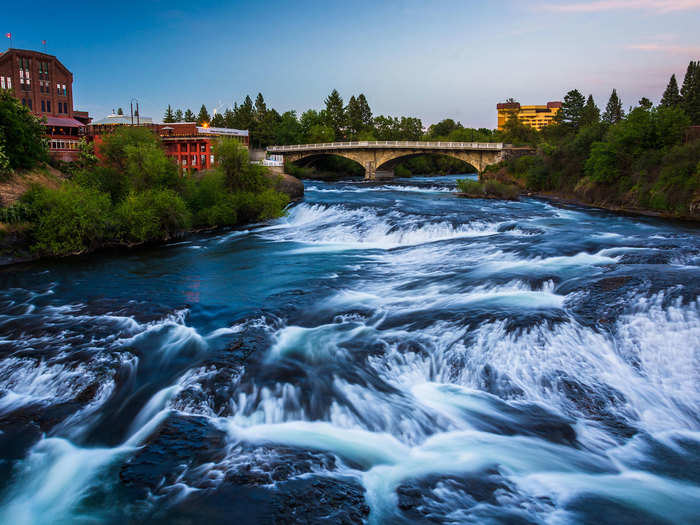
(501, 190)
(151, 215)
(601, 166)
(470, 187)
(70, 219)
(261, 206)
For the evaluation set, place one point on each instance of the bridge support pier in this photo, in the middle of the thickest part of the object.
(372, 173)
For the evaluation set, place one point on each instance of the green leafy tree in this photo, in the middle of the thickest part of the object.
(21, 134)
(232, 158)
(591, 113)
(613, 110)
(189, 116)
(169, 115)
(671, 96)
(443, 128)
(517, 133)
(572, 110)
(289, 130)
(203, 117)
(335, 114)
(120, 111)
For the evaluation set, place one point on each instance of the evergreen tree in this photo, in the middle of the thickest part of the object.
(353, 113)
(591, 113)
(645, 103)
(365, 111)
(613, 111)
(672, 96)
(571, 112)
(169, 115)
(244, 114)
(335, 113)
(218, 121)
(203, 116)
(690, 92)
(178, 115)
(228, 118)
(260, 108)
(120, 111)
(190, 116)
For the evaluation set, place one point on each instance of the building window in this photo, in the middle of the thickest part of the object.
(60, 107)
(203, 160)
(29, 103)
(48, 106)
(2, 82)
(9, 82)
(24, 101)
(43, 106)
(202, 147)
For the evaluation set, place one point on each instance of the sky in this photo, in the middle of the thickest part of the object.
(427, 59)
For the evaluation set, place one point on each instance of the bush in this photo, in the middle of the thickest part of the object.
(501, 190)
(151, 215)
(265, 205)
(471, 187)
(601, 166)
(71, 219)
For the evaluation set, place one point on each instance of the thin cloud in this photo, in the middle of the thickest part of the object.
(659, 6)
(666, 48)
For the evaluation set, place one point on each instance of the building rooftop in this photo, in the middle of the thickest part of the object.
(122, 119)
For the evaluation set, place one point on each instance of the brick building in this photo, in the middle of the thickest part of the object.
(191, 146)
(43, 84)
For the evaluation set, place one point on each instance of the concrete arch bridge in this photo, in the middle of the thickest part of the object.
(379, 157)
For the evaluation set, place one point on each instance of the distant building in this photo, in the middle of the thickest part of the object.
(534, 116)
(115, 119)
(191, 146)
(43, 84)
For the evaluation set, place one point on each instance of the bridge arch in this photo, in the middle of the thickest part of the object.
(389, 165)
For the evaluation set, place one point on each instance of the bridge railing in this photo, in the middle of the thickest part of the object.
(389, 144)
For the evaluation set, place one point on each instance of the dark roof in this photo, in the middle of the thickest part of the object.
(63, 122)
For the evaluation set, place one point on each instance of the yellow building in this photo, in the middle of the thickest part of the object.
(534, 116)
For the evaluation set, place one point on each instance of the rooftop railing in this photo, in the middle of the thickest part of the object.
(391, 144)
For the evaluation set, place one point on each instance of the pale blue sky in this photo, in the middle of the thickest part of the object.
(432, 60)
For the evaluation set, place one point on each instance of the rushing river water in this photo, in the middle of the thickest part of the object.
(386, 353)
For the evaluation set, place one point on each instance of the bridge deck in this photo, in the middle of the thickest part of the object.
(388, 144)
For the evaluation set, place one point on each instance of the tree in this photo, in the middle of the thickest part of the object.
(169, 115)
(353, 113)
(591, 113)
(443, 128)
(645, 103)
(260, 108)
(244, 115)
(335, 113)
(229, 118)
(178, 116)
(21, 133)
(239, 174)
(690, 92)
(218, 120)
(571, 112)
(365, 111)
(203, 117)
(120, 111)
(671, 96)
(289, 130)
(613, 110)
(190, 116)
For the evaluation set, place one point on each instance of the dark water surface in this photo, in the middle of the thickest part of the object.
(384, 354)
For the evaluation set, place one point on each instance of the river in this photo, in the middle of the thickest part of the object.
(385, 353)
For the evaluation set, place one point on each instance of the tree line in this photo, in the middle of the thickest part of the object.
(643, 158)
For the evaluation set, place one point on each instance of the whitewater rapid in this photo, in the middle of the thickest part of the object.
(384, 353)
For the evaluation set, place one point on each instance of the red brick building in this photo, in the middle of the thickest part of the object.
(188, 144)
(43, 84)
